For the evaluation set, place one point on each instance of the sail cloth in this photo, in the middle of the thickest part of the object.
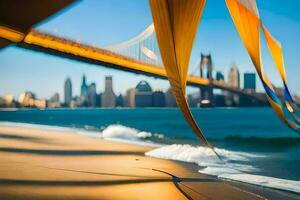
(176, 23)
(245, 16)
(277, 55)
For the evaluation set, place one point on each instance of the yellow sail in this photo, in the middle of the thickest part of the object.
(176, 23)
(245, 16)
(276, 53)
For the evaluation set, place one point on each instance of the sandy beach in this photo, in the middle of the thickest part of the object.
(51, 164)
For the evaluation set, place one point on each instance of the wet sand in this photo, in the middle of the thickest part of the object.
(47, 164)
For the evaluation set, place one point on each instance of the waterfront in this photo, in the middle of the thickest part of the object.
(252, 138)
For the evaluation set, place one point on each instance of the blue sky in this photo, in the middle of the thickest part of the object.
(104, 22)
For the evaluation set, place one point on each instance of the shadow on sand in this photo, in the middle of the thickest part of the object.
(67, 152)
(178, 182)
(24, 138)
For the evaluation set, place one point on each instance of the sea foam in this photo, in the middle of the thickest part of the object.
(232, 166)
(130, 135)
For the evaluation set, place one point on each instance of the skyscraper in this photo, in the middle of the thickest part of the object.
(84, 91)
(92, 95)
(233, 81)
(234, 76)
(143, 96)
(68, 91)
(130, 97)
(108, 96)
(250, 81)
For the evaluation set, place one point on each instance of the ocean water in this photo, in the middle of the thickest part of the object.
(255, 146)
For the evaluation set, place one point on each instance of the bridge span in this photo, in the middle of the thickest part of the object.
(63, 47)
(16, 29)
(47, 43)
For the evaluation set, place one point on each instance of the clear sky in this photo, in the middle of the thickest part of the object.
(104, 22)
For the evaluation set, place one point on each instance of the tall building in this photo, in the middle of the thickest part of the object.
(250, 81)
(84, 92)
(233, 81)
(158, 99)
(234, 76)
(143, 96)
(68, 91)
(130, 97)
(108, 96)
(92, 96)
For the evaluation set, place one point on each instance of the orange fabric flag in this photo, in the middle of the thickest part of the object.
(176, 23)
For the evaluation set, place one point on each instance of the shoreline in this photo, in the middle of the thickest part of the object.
(38, 164)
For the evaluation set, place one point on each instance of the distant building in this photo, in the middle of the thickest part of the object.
(170, 98)
(130, 97)
(158, 99)
(108, 96)
(76, 102)
(28, 99)
(54, 101)
(233, 81)
(120, 101)
(68, 92)
(39, 103)
(84, 92)
(234, 76)
(250, 81)
(220, 76)
(92, 96)
(143, 96)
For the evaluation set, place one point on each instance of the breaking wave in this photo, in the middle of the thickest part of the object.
(130, 135)
(235, 165)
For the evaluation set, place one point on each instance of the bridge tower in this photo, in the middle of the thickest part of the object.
(206, 92)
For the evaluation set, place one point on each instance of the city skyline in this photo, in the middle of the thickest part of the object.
(31, 67)
(143, 95)
(68, 86)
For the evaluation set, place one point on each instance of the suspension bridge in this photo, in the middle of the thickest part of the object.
(139, 55)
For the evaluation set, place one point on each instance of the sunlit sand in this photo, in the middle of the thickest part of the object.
(43, 164)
